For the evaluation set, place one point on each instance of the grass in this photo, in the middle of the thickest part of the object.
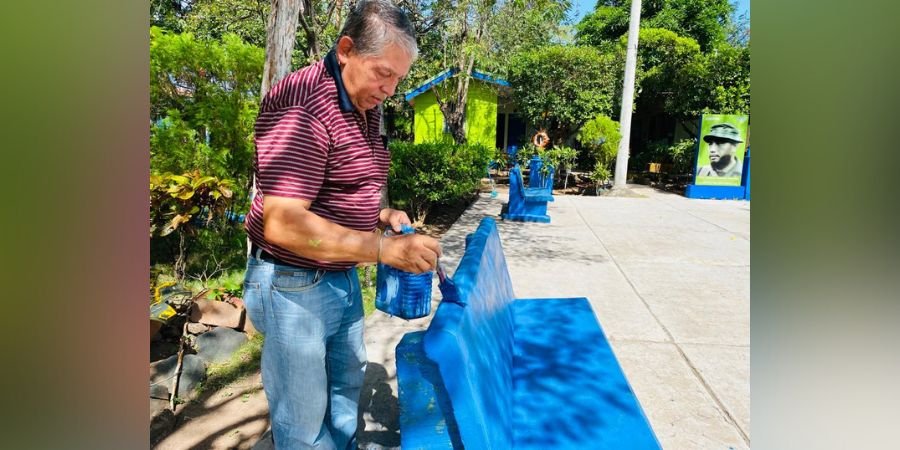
(231, 281)
(245, 361)
(368, 293)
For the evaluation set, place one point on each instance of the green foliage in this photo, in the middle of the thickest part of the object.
(424, 174)
(213, 19)
(220, 285)
(176, 199)
(676, 159)
(243, 362)
(203, 104)
(600, 175)
(560, 88)
(559, 157)
(178, 202)
(705, 21)
(681, 155)
(600, 136)
(686, 65)
(602, 27)
(367, 283)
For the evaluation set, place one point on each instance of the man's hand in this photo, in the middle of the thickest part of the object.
(393, 218)
(414, 253)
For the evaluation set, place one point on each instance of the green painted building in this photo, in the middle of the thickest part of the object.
(490, 119)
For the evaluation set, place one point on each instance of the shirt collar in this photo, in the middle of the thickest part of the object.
(334, 69)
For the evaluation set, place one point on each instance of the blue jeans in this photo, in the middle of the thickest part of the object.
(314, 356)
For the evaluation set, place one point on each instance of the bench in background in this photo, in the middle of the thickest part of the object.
(496, 372)
(527, 204)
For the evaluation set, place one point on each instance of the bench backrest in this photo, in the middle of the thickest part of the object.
(472, 345)
(538, 177)
(517, 183)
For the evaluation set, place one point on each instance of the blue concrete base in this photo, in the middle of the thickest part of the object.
(715, 192)
(526, 217)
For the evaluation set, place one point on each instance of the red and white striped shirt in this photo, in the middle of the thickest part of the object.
(312, 144)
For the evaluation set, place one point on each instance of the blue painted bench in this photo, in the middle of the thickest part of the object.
(496, 372)
(527, 204)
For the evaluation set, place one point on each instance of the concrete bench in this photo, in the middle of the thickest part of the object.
(496, 372)
(526, 204)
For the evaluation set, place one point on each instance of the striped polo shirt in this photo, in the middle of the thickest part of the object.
(312, 144)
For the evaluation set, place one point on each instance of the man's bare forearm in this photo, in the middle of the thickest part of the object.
(311, 236)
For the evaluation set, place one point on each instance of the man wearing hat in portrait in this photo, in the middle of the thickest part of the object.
(722, 139)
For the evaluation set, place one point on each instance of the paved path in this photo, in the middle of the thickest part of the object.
(669, 280)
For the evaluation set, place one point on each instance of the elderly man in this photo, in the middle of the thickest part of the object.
(722, 140)
(321, 168)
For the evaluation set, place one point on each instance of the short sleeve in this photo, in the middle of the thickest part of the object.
(291, 153)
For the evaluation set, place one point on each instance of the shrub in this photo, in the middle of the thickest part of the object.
(180, 203)
(676, 159)
(600, 136)
(422, 175)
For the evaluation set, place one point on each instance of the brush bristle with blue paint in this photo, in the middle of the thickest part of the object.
(448, 289)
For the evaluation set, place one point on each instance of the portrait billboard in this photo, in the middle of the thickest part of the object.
(721, 142)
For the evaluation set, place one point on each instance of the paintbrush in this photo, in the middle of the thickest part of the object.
(445, 283)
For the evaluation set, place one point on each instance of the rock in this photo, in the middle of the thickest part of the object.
(248, 326)
(216, 346)
(236, 301)
(160, 391)
(193, 371)
(216, 313)
(245, 326)
(197, 328)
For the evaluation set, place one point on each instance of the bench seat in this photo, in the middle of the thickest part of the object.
(495, 372)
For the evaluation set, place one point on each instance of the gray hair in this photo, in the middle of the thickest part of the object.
(373, 24)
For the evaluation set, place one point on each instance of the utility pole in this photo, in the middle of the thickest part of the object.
(627, 95)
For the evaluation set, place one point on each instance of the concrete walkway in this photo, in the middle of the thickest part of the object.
(669, 281)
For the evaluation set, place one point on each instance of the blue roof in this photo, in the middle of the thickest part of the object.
(437, 79)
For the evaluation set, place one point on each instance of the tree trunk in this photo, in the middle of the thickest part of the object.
(310, 28)
(281, 32)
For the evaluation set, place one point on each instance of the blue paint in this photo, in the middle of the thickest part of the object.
(714, 192)
(526, 204)
(507, 373)
(403, 294)
(437, 79)
(536, 176)
(745, 175)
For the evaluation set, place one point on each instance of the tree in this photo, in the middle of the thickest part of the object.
(280, 35)
(560, 88)
(677, 78)
(693, 59)
(457, 34)
(203, 101)
(705, 21)
(316, 23)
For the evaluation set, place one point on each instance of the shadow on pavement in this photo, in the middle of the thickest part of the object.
(379, 406)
